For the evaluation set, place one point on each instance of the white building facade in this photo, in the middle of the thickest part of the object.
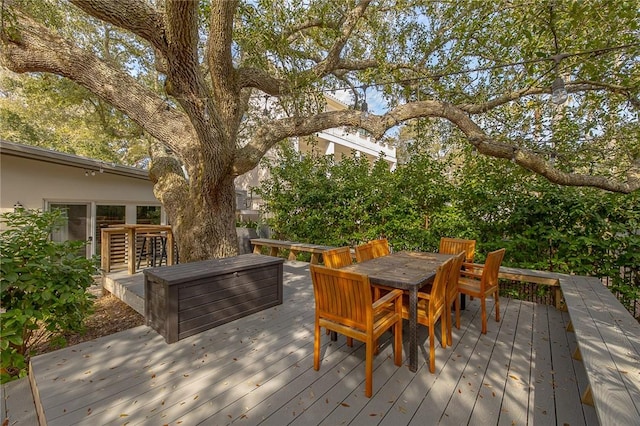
(338, 142)
(93, 193)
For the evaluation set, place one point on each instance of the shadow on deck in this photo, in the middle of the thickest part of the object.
(259, 370)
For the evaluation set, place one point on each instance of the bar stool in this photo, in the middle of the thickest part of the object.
(151, 251)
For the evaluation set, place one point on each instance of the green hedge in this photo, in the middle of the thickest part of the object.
(542, 225)
(42, 286)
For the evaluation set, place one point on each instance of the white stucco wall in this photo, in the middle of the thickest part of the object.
(33, 183)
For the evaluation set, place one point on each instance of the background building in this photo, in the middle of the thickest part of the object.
(94, 194)
(338, 141)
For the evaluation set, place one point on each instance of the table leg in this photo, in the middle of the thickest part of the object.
(413, 326)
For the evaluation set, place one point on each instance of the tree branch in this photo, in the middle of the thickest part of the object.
(220, 59)
(40, 50)
(333, 56)
(132, 15)
(269, 134)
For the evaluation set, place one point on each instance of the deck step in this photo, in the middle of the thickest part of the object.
(18, 407)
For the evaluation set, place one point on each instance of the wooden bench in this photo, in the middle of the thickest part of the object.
(537, 277)
(294, 248)
(608, 340)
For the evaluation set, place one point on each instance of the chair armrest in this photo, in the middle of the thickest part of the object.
(468, 265)
(423, 295)
(471, 274)
(387, 298)
(472, 269)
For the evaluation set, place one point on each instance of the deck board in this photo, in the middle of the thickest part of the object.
(259, 370)
(541, 402)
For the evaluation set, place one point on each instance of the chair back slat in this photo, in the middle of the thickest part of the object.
(380, 247)
(337, 258)
(456, 245)
(343, 297)
(364, 252)
(491, 269)
(454, 275)
(438, 294)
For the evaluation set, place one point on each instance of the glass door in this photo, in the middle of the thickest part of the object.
(76, 226)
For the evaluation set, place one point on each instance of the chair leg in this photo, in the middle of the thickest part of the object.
(457, 303)
(316, 348)
(496, 296)
(483, 309)
(449, 323)
(397, 349)
(368, 386)
(432, 347)
(143, 252)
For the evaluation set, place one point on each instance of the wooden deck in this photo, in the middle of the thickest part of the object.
(259, 370)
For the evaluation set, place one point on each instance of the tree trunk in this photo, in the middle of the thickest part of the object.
(200, 210)
(204, 224)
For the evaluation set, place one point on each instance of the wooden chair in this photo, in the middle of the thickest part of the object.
(456, 245)
(344, 304)
(380, 247)
(452, 297)
(482, 281)
(338, 257)
(371, 250)
(364, 252)
(431, 308)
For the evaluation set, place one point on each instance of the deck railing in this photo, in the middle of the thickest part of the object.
(122, 246)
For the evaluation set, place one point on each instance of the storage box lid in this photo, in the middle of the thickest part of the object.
(183, 272)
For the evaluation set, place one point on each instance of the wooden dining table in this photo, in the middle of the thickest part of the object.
(408, 271)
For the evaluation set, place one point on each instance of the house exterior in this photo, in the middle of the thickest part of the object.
(93, 193)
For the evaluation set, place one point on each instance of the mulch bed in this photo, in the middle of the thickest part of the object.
(111, 315)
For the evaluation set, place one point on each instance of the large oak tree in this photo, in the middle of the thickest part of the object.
(486, 68)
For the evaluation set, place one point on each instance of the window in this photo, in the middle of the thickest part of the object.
(148, 215)
(106, 216)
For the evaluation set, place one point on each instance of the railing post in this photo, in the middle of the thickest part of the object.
(131, 250)
(169, 247)
(105, 251)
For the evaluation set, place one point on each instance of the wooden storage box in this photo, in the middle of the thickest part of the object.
(183, 300)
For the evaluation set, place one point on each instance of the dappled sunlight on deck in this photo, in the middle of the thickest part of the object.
(259, 370)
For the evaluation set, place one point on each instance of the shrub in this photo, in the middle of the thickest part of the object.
(42, 286)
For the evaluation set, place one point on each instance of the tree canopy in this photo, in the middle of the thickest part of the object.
(190, 73)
